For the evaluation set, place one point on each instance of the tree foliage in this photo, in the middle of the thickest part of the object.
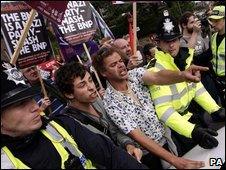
(147, 15)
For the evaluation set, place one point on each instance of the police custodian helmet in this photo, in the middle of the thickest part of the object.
(13, 86)
(168, 28)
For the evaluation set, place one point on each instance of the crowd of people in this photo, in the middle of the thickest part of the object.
(149, 113)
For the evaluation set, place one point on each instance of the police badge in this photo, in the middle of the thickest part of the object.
(13, 74)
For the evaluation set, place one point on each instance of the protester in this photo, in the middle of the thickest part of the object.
(106, 42)
(127, 38)
(191, 37)
(128, 104)
(131, 61)
(217, 67)
(152, 38)
(57, 101)
(29, 140)
(191, 33)
(149, 52)
(77, 86)
(45, 103)
(172, 101)
(124, 46)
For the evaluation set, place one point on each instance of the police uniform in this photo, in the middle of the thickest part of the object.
(172, 101)
(218, 52)
(60, 143)
(218, 60)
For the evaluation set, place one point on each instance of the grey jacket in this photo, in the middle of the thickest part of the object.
(101, 125)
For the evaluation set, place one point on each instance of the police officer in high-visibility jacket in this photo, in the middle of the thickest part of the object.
(172, 101)
(217, 19)
(29, 140)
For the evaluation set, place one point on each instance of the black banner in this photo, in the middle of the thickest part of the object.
(36, 47)
(78, 25)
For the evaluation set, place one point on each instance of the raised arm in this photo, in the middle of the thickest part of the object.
(196, 31)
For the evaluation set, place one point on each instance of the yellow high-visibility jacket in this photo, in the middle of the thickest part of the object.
(59, 138)
(218, 60)
(172, 101)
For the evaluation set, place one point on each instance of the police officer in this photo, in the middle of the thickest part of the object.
(172, 101)
(29, 140)
(217, 19)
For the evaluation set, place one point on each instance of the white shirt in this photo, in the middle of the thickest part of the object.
(128, 114)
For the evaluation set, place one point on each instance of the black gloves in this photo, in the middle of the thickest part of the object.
(218, 116)
(204, 137)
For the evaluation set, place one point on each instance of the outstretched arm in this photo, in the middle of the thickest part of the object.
(166, 77)
(156, 149)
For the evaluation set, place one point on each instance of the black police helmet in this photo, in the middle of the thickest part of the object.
(13, 86)
(167, 28)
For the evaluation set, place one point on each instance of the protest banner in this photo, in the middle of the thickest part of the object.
(35, 50)
(53, 10)
(78, 25)
(103, 27)
(48, 68)
(69, 51)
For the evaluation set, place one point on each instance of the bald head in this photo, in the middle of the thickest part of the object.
(123, 45)
(31, 74)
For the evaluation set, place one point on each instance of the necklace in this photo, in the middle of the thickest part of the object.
(129, 92)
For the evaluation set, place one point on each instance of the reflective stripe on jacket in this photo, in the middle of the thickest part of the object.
(60, 138)
(172, 101)
(218, 60)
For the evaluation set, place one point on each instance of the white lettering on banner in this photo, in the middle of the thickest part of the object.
(35, 23)
(35, 47)
(10, 17)
(72, 20)
(75, 18)
(27, 41)
(17, 34)
(39, 46)
(72, 4)
(9, 26)
(18, 26)
(14, 24)
(68, 28)
(84, 25)
(25, 49)
(25, 15)
(71, 12)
